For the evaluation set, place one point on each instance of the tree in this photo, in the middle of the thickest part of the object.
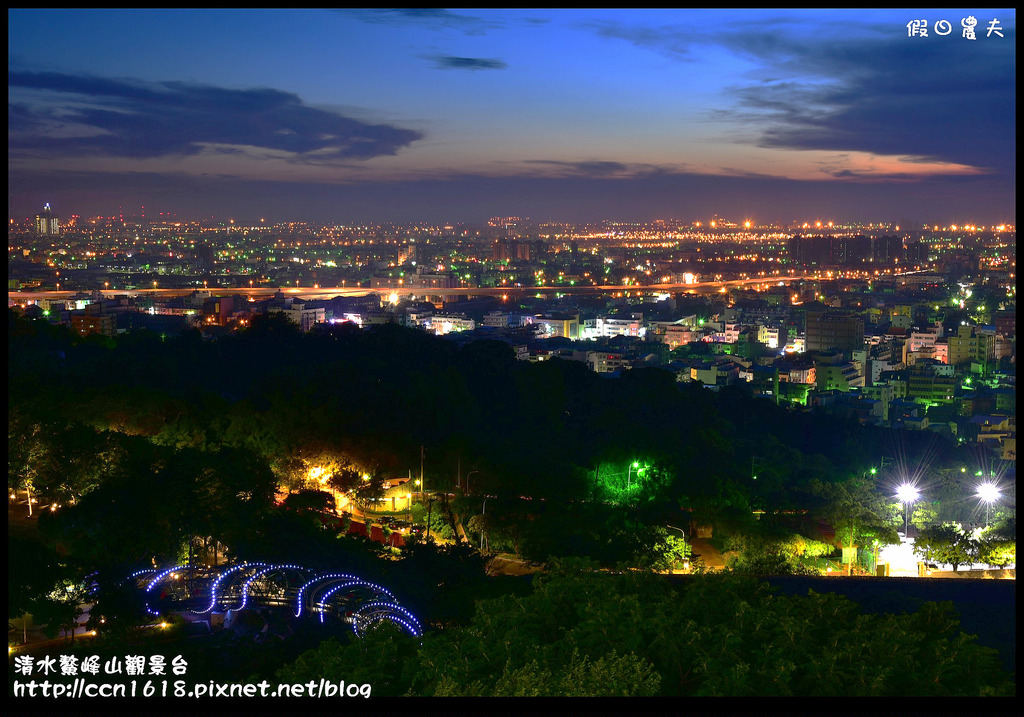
(587, 632)
(658, 549)
(371, 491)
(309, 500)
(61, 607)
(998, 550)
(344, 479)
(381, 659)
(32, 574)
(947, 543)
(611, 675)
(856, 512)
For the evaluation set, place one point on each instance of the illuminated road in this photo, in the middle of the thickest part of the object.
(309, 292)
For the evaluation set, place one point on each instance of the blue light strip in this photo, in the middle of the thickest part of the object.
(359, 581)
(336, 588)
(216, 583)
(248, 582)
(159, 578)
(316, 579)
(368, 614)
(377, 617)
(392, 606)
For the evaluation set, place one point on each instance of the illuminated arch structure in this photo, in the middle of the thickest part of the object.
(347, 597)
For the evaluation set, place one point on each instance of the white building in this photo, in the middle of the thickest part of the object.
(606, 362)
(442, 324)
(496, 319)
(608, 326)
(300, 315)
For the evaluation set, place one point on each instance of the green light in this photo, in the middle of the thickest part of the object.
(873, 471)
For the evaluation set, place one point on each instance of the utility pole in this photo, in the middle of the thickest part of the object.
(483, 512)
(430, 504)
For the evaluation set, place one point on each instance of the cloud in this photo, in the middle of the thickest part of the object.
(819, 85)
(74, 115)
(444, 62)
(600, 168)
(671, 41)
(432, 18)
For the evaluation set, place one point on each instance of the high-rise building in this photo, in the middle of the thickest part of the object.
(407, 253)
(809, 250)
(888, 250)
(102, 324)
(505, 250)
(47, 223)
(970, 344)
(834, 330)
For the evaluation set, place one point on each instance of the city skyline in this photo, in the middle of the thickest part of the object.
(561, 115)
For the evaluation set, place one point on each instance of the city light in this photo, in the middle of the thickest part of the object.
(989, 494)
(907, 493)
(166, 409)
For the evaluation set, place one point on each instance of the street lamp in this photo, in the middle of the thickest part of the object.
(634, 464)
(989, 493)
(483, 512)
(907, 494)
(467, 480)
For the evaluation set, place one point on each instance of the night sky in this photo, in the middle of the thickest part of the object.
(459, 115)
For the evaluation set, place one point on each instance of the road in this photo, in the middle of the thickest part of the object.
(311, 292)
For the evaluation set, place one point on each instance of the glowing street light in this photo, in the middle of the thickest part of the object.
(989, 493)
(907, 494)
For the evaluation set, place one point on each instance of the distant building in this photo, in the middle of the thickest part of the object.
(676, 336)
(496, 319)
(888, 250)
(839, 377)
(970, 344)
(298, 314)
(715, 375)
(930, 382)
(446, 323)
(1006, 322)
(828, 330)
(604, 362)
(217, 310)
(407, 254)
(566, 325)
(47, 223)
(101, 324)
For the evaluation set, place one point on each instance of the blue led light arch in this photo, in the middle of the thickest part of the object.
(348, 597)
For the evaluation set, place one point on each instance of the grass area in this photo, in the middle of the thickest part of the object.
(19, 525)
